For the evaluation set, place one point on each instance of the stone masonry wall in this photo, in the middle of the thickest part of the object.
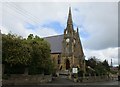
(27, 79)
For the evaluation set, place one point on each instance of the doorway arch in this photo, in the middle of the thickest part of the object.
(67, 64)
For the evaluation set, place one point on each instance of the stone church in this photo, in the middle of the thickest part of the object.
(66, 49)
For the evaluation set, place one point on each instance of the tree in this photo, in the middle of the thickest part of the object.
(96, 66)
(92, 61)
(119, 67)
(14, 50)
(106, 65)
(33, 52)
(30, 37)
(16, 53)
(41, 62)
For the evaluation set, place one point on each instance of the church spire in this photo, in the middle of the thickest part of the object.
(69, 21)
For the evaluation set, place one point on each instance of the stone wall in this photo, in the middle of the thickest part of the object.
(27, 79)
(92, 79)
(54, 58)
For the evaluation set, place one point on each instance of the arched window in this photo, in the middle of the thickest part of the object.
(67, 64)
(59, 60)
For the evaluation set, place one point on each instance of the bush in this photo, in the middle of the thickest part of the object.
(15, 69)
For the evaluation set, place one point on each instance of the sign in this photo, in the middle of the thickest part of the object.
(74, 70)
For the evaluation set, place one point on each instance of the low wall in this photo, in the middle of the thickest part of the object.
(92, 79)
(95, 78)
(27, 79)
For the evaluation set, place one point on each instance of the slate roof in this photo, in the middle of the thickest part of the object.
(55, 42)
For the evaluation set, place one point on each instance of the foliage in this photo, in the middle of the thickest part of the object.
(41, 62)
(33, 52)
(119, 67)
(91, 62)
(95, 66)
(15, 69)
(15, 51)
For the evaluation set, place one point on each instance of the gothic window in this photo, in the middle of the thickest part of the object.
(67, 50)
(67, 64)
(59, 60)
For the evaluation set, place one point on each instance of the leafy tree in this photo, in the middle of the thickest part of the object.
(96, 66)
(33, 52)
(100, 68)
(41, 62)
(106, 65)
(14, 50)
(119, 67)
(92, 61)
(30, 37)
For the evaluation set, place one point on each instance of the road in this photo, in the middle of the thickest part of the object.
(64, 82)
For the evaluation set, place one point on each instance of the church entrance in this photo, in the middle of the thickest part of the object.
(67, 64)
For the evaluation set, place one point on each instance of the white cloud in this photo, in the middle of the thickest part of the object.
(108, 54)
(22, 31)
(4, 30)
(98, 19)
(15, 17)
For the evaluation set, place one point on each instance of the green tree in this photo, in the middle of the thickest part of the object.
(92, 62)
(33, 52)
(96, 66)
(99, 69)
(14, 50)
(119, 67)
(106, 65)
(30, 37)
(41, 61)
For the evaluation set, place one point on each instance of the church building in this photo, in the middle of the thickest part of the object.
(66, 49)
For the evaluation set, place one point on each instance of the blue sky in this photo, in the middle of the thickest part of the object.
(55, 25)
(97, 23)
(30, 26)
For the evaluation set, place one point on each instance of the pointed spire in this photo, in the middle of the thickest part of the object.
(69, 21)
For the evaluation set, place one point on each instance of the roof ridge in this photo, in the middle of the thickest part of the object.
(53, 36)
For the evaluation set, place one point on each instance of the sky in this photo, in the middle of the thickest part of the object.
(97, 23)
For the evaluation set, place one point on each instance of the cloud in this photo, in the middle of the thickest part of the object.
(97, 22)
(100, 21)
(119, 24)
(40, 31)
(54, 25)
(21, 23)
(108, 54)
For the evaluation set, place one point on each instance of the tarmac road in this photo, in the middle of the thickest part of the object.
(64, 82)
